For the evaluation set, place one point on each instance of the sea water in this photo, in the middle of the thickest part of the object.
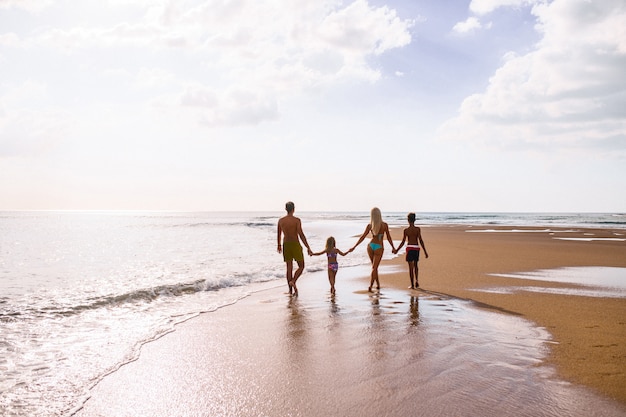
(81, 292)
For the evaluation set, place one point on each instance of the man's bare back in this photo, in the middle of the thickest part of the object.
(291, 226)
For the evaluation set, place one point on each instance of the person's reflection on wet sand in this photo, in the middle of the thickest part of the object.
(376, 309)
(295, 321)
(414, 314)
(295, 341)
(334, 308)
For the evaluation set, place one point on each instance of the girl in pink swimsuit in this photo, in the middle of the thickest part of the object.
(333, 266)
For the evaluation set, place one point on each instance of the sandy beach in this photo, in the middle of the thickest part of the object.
(461, 345)
(589, 332)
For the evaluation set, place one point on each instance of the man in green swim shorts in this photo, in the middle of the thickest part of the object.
(291, 227)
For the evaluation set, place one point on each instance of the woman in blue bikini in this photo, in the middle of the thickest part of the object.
(378, 228)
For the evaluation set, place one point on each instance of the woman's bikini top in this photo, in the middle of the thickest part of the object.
(378, 236)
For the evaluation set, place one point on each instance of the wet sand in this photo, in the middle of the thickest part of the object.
(589, 333)
(398, 352)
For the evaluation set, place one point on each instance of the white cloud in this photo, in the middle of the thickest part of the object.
(255, 54)
(482, 7)
(234, 107)
(362, 30)
(570, 91)
(123, 34)
(28, 5)
(199, 96)
(468, 25)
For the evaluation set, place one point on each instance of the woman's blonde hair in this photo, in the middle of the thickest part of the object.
(376, 220)
(330, 243)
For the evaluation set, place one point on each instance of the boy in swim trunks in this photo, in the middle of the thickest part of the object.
(291, 228)
(414, 236)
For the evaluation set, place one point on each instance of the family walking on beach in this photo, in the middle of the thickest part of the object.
(290, 229)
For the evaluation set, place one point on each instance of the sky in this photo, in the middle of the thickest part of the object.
(406, 105)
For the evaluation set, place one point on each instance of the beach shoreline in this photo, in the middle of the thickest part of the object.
(392, 352)
(398, 350)
(589, 333)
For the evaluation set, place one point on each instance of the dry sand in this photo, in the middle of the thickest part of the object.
(590, 332)
(398, 352)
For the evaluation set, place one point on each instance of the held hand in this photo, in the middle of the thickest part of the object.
(395, 251)
(310, 251)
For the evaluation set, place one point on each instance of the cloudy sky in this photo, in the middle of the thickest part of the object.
(408, 105)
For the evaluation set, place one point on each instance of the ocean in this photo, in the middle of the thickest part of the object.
(81, 292)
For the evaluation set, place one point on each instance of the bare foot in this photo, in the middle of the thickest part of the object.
(295, 289)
